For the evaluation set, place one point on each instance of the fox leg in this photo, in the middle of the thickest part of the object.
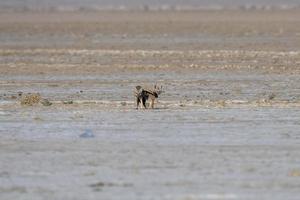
(137, 102)
(152, 103)
(144, 102)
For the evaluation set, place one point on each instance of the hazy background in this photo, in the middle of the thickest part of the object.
(144, 4)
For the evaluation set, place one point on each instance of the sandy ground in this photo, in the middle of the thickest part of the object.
(226, 126)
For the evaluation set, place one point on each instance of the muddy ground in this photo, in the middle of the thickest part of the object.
(225, 127)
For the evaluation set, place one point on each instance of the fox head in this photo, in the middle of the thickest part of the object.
(158, 89)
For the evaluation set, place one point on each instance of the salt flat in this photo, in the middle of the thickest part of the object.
(226, 127)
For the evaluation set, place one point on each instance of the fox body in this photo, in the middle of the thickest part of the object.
(143, 94)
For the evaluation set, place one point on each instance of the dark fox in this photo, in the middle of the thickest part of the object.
(144, 94)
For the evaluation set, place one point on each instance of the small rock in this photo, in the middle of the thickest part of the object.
(99, 184)
(46, 102)
(88, 133)
(68, 102)
(271, 96)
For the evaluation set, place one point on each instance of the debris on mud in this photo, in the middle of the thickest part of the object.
(13, 97)
(34, 99)
(53, 85)
(30, 99)
(99, 185)
(38, 119)
(295, 173)
(221, 103)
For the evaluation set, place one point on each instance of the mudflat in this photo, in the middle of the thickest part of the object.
(225, 127)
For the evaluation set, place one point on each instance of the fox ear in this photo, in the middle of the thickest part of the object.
(138, 87)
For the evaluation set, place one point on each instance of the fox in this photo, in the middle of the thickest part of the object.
(143, 94)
